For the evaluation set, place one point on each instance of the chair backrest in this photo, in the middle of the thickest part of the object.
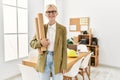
(85, 61)
(82, 48)
(28, 73)
(75, 68)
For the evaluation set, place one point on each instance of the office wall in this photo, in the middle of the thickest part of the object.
(34, 7)
(0, 32)
(104, 21)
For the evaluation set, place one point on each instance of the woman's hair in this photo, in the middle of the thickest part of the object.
(50, 5)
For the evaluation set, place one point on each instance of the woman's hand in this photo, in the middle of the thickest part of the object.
(44, 42)
(63, 71)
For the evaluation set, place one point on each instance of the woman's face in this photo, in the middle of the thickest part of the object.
(51, 13)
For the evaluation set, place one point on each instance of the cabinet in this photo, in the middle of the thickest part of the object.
(95, 56)
(92, 45)
(85, 38)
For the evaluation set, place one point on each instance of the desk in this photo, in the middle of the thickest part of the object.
(70, 61)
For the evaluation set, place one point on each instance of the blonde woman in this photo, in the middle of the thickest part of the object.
(55, 58)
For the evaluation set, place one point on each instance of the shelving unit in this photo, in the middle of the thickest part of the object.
(95, 56)
(93, 48)
(80, 25)
(87, 37)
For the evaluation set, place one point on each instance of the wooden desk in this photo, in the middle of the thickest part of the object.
(70, 61)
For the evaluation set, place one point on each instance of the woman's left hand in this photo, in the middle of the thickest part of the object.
(63, 71)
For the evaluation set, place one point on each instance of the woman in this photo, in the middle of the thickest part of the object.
(55, 58)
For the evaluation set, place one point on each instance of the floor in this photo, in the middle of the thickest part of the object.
(97, 73)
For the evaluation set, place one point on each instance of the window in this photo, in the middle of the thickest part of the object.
(15, 22)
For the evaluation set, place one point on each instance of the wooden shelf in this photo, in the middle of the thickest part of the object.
(94, 57)
(91, 47)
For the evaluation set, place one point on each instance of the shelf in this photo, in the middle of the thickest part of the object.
(94, 61)
(93, 48)
(93, 56)
(92, 45)
(72, 46)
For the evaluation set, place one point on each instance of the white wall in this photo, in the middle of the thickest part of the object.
(34, 7)
(104, 20)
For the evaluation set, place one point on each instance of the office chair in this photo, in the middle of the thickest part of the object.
(85, 65)
(72, 73)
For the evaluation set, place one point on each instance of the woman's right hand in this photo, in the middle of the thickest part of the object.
(44, 42)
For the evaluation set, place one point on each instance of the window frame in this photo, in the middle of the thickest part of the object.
(17, 27)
